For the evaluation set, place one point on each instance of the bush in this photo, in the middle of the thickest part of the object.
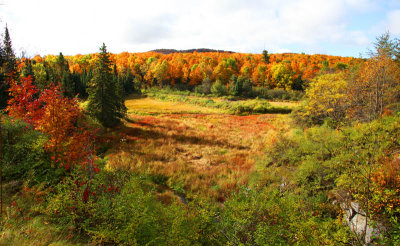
(262, 217)
(278, 94)
(198, 89)
(122, 210)
(24, 157)
(218, 89)
(206, 86)
(356, 163)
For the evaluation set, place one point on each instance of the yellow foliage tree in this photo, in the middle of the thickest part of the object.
(327, 97)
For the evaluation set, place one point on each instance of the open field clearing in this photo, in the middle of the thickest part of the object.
(150, 106)
(285, 104)
(230, 105)
(190, 152)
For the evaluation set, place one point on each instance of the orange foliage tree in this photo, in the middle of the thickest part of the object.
(60, 118)
(152, 68)
(375, 87)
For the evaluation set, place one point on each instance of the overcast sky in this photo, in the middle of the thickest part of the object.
(335, 27)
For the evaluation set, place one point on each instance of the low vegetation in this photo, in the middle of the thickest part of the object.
(229, 105)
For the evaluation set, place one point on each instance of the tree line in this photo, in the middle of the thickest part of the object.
(191, 71)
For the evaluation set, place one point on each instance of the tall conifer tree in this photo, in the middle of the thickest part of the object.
(104, 103)
(265, 56)
(9, 57)
(28, 70)
(8, 66)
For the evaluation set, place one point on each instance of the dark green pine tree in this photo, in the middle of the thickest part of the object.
(10, 59)
(104, 103)
(67, 84)
(3, 85)
(84, 83)
(119, 88)
(265, 56)
(8, 68)
(128, 82)
(118, 81)
(63, 76)
(28, 70)
(62, 65)
(79, 88)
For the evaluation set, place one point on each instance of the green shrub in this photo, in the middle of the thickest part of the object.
(24, 156)
(122, 209)
(262, 217)
(218, 88)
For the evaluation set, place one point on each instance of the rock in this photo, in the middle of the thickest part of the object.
(357, 224)
(282, 187)
(357, 208)
(356, 220)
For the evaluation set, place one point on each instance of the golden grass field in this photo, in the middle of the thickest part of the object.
(150, 106)
(190, 149)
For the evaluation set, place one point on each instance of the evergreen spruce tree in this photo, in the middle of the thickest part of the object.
(265, 56)
(8, 66)
(84, 82)
(104, 103)
(67, 85)
(3, 85)
(62, 65)
(10, 59)
(63, 76)
(118, 81)
(115, 73)
(128, 82)
(28, 70)
(79, 88)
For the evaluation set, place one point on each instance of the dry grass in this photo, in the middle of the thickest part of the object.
(285, 104)
(206, 154)
(150, 106)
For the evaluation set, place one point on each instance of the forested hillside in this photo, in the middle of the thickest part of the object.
(201, 50)
(190, 70)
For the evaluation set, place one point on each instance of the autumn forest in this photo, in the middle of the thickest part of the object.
(200, 147)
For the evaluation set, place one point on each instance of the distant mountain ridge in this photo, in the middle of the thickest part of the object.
(201, 50)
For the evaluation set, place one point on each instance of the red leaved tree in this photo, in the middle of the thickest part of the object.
(60, 118)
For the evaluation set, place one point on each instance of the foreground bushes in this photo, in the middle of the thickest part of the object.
(122, 209)
(132, 215)
(23, 154)
(358, 163)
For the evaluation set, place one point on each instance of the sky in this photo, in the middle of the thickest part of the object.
(333, 27)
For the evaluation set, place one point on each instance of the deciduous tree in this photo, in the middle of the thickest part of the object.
(60, 118)
(327, 97)
(375, 87)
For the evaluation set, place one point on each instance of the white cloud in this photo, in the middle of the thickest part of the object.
(390, 23)
(393, 22)
(48, 26)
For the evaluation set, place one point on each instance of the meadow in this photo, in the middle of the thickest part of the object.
(188, 148)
